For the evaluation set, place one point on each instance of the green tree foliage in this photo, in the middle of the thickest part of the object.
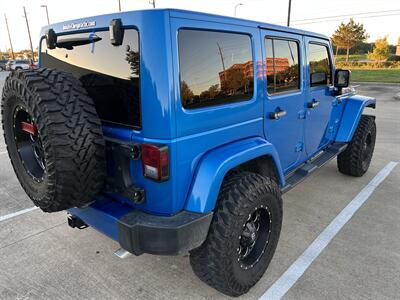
(381, 50)
(349, 35)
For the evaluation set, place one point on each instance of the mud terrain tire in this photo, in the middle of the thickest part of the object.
(220, 261)
(355, 160)
(54, 138)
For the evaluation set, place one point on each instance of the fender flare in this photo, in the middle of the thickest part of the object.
(215, 165)
(351, 116)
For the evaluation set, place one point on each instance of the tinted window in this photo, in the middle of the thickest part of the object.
(282, 65)
(215, 68)
(320, 67)
(109, 73)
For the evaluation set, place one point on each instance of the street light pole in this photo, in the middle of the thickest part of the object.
(47, 13)
(29, 33)
(153, 2)
(119, 5)
(9, 38)
(288, 15)
(236, 6)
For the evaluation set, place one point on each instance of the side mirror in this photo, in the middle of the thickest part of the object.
(318, 78)
(342, 78)
(51, 39)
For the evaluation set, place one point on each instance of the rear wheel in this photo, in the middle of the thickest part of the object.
(243, 234)
(355, 160)
(54, 138)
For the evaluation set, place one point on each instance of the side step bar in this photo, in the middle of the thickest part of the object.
(313, 164)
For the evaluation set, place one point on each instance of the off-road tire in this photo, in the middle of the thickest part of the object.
(216, 261)
(70, 133)
(355, 160)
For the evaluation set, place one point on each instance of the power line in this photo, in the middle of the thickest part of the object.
(348, 15)
(344, 19)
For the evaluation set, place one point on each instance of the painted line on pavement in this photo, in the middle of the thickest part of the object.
(18, 213)
(297, 269)
(1, 153)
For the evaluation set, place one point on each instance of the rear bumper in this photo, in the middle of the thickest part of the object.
(140, 233)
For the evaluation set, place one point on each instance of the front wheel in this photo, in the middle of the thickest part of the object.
(243, 235)
(355, 160)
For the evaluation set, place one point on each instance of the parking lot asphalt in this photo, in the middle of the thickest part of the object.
(41, 257)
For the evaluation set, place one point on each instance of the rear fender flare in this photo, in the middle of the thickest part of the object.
(217, 163)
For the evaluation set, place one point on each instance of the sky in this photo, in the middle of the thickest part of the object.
(269, 11)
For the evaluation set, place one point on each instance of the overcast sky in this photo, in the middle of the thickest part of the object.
(270, 11)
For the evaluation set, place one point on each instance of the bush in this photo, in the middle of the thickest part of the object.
(394, 58)
(368, 65)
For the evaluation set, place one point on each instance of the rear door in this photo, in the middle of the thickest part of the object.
(285, 95)
(320, 99)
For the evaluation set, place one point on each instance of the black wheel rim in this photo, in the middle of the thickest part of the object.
(29, 144)
(254, 237)
(367, 149)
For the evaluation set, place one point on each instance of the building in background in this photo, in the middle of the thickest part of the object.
(398, 47)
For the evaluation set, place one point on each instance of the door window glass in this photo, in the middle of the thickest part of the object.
(320, 66)
(283, 71)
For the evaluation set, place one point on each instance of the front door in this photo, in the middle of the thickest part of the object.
(318, 130)
(285, 95)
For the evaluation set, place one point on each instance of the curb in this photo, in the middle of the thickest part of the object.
(376, 83)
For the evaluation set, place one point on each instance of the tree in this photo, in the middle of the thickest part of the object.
(381, 50)
(348, 36)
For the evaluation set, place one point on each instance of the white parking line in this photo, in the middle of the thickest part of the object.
(4, 152)
(18, 213)
(297, 269)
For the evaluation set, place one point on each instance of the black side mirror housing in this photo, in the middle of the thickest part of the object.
(342, 79)
(116, 32)
(51, 39)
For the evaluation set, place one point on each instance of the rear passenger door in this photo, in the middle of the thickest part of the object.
(284, 95)
(320, 99)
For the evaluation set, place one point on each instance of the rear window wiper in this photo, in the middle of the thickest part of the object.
(70, 43)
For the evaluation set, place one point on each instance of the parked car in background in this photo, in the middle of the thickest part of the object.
(18, 65)
(3, 65)
(34, 65)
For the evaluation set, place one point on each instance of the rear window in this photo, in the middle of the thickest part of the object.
(215, 68)
(109, 73)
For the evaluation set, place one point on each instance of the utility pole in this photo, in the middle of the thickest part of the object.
(119, 5)
(47, 13)
(288, 15)
(9, 38)
(29, 33)
(223, 63)
(153, 2)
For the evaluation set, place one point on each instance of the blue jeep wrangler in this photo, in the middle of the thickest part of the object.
(173, 131)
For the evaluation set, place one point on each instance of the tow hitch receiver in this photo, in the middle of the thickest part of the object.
(75, 222)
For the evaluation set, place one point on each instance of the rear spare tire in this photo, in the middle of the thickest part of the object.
(54, 138)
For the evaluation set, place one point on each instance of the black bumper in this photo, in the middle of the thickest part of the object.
(140, 233)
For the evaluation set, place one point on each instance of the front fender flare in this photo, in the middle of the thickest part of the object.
(215, 164)
(351, 116)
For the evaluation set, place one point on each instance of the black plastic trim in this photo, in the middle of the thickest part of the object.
(139, 232)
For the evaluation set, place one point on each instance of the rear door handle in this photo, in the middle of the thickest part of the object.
(313, 104)
(277, 114)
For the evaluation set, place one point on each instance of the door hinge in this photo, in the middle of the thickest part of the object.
(299, 147)
(302, 114)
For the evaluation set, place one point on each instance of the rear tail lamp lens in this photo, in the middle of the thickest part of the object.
(155, 162)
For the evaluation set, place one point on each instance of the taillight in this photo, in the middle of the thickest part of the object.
(155, 162)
